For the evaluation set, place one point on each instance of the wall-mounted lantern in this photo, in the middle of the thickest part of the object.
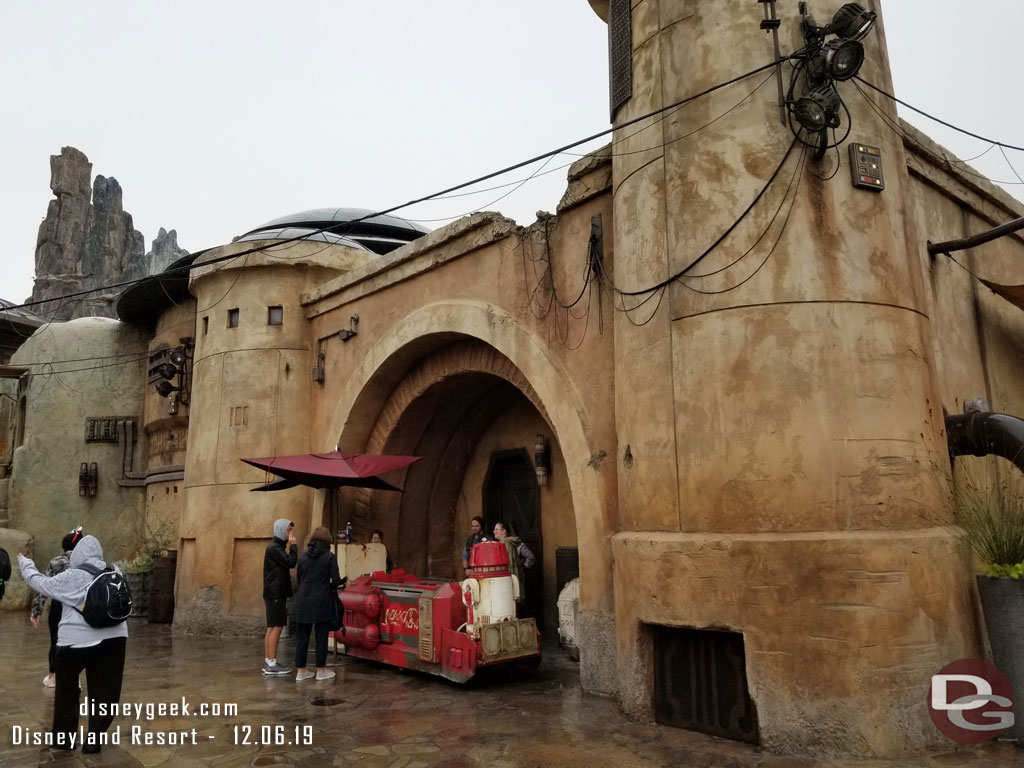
(541, 460)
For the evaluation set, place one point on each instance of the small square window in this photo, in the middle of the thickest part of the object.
(206, 325)
(275, 315)
(233, 318)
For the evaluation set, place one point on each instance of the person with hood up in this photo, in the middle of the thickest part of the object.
(315, 602)
(99, 651)
(58, 564)
(277, 588)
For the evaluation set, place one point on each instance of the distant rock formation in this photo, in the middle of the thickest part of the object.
(87, 240)
(165, 251)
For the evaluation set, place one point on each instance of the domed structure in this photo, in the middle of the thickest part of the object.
(378, 233)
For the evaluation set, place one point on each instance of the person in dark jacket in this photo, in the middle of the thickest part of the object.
(315, 602)
(277, 588)
(57, 565)
(99, 651)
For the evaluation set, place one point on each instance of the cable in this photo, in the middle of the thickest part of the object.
(932, 117)
(721, 237)
(409, 203)
(896, 128)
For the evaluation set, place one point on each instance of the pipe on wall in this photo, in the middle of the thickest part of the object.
(981, 434)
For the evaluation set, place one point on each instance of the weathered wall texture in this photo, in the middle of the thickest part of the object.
(794, 493)
(252, 390)
(979, 336)
(90, 367)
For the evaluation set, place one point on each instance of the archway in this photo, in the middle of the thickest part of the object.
(406, 361)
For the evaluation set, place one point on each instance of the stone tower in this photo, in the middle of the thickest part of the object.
(794, 492)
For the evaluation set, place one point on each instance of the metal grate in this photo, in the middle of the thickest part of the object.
(620, 53)
(700, 683)
(426, 629)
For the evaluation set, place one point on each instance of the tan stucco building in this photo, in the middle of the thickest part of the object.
(750, 460)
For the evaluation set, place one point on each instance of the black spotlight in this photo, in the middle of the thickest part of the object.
(842, 58)
(819, 109)
(164, 388)
(851, 22)
(167, 370)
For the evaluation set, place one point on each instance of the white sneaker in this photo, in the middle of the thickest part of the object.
(327, 674)
(304, 674)
(50, 681)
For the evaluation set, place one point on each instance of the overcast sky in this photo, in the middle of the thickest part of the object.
(218, 116)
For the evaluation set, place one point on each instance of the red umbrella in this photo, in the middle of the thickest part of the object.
(330, 470)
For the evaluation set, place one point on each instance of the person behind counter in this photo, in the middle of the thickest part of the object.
(377, 537)
(99, 651)
(58, 564)
(478, 535)
(277, 588)
(319, 580)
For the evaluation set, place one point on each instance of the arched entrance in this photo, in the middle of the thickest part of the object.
(457, 406)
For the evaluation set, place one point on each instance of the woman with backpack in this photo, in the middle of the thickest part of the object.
(315, 603)
(80, 645)
(58, 564)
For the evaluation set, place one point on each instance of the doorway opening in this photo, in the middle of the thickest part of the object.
(510, 496)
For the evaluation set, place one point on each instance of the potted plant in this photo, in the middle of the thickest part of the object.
(989, 511)
(137, 574)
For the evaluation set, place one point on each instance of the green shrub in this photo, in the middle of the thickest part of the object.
(989, 510)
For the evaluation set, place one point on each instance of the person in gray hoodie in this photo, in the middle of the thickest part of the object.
(100, 652)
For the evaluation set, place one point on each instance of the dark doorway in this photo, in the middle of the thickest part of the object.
(510, 495)
(700, 682)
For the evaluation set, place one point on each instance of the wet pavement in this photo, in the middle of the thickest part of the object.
(369, 715)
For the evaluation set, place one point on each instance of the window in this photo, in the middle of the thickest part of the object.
(275, 315)
(233, 318)
(206, 325)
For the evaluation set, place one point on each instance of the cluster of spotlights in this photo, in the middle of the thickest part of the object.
(827, 62)
(175, 368)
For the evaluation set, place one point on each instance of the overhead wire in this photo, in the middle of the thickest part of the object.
(425, 198)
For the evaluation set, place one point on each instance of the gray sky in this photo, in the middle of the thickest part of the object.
(218, 116)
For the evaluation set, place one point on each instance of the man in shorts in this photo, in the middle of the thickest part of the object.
(282, 553)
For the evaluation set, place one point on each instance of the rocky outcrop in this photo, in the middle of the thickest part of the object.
(62, 234)
(88, 241)
(165, 251)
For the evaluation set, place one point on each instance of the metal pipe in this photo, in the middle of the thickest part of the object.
(981, 434)
(934, 249)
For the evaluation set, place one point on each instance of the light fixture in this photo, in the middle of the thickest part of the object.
(176, 368)
(841, 59)
(541, 460)
(851, 22)
(818, 109)
(164, 388)
(347, 333)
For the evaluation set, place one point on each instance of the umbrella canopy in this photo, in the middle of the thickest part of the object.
(330, 470)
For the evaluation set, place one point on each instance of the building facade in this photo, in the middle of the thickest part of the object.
(749, 458)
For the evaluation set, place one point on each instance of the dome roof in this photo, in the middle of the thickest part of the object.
(377, 233)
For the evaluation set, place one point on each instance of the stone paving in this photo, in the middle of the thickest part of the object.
(369, 715)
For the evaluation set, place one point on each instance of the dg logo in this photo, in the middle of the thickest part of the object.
(970, 701)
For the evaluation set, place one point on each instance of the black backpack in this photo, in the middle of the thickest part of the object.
(108, 601)
(5, 570)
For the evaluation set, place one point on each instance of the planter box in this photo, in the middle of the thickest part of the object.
(138, 583)
(1002, 600)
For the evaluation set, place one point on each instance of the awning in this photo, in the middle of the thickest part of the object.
(1012, 293)
(331, 470)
